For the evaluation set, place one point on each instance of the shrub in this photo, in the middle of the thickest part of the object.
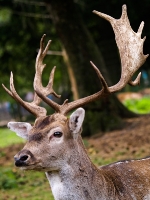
(141, 106)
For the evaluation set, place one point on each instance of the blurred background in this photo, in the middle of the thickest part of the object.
(78, 37)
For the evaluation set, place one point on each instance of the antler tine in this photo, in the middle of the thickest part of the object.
(31, 107)
(41, 54)
(102, 80)
(43, 92)
(39, 69)
(130, 47)
(50, 83)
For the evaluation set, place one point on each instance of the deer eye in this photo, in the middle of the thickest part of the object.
(57, 134)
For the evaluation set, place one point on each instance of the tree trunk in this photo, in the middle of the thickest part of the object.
(80, 48)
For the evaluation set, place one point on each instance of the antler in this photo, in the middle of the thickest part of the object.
(38, 76)
(33, 107)
(66, 107)
(130, 46)
(42, 92)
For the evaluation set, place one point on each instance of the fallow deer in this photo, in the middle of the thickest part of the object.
(54, 144)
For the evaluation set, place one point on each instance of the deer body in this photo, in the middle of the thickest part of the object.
(54, 144)
(121, 180)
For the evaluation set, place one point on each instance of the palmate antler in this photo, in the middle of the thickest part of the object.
(130, 47)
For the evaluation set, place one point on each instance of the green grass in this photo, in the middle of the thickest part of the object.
(8, 137)
(19, 185)
(141, 106)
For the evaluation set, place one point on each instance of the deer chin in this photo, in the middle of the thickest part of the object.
(33, 167)
(38, 166)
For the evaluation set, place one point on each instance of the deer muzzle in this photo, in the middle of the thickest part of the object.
(23, 158)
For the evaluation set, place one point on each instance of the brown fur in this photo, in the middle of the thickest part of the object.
(123, 180)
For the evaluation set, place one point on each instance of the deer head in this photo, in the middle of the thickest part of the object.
(54, 141)
(48, 140)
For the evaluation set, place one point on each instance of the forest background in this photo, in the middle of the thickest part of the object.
(78, 36)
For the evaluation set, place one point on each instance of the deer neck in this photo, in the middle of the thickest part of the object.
(78, 179)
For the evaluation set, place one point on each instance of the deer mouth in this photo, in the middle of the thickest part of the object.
(36, 167)
(30, 166)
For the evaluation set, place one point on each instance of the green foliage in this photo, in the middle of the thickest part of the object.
(141, 106)
(5, 15)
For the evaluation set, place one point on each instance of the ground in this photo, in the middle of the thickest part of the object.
(130, 142)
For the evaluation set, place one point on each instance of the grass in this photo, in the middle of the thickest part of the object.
(19, 185)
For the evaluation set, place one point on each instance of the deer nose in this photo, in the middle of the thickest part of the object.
(21, 160)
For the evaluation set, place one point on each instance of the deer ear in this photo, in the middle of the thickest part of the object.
(75, 121)
(21, 128)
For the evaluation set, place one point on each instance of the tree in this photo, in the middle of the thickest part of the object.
(80, 47)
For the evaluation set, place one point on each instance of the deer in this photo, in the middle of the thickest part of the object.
(54, 143)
